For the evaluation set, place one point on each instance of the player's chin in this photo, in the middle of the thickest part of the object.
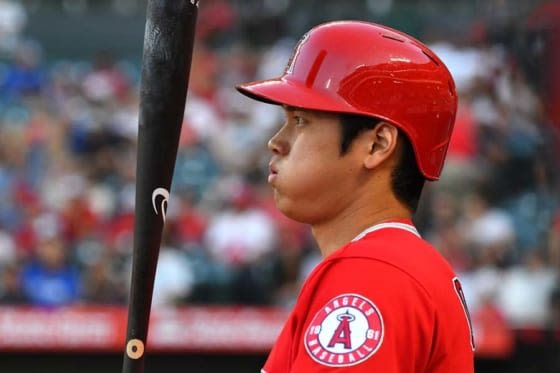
(289, 208)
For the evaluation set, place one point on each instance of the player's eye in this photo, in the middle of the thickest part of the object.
(298, 120)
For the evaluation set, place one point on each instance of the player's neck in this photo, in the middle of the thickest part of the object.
(332, 235)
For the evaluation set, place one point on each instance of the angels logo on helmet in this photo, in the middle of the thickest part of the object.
(346, 331)
(290, 65)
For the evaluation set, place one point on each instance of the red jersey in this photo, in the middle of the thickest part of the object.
(385, 302)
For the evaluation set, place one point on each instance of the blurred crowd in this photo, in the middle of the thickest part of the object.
(67, 183)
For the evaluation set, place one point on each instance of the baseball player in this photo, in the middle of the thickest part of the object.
(369, 113)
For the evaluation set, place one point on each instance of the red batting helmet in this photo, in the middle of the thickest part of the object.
(363, 68)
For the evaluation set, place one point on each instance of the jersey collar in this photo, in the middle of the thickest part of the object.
(404, 225)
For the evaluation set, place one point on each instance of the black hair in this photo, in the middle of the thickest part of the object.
(407, 181)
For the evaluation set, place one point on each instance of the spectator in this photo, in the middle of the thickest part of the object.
(239, 235)
(174, 281)
(241, 232)
(11, 292)
(526, 290)
(103, 281)
(51, 279)
(8, 251)
(105, 81)
(13, 18)
(488, 231)
(25, 75)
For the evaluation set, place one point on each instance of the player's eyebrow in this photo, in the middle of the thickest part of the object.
(308, 113)
(293, 109)
(290, 109)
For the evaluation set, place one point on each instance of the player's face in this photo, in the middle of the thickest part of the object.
(312, 181)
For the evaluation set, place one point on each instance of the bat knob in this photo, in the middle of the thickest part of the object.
(135, 349)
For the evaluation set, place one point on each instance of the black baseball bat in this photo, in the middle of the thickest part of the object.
(166, 62)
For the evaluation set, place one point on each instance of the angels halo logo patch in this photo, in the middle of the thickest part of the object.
(346, 331)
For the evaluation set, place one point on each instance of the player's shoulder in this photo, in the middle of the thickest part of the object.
(401, 248)
(392, 255)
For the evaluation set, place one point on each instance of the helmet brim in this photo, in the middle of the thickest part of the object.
(284, 92)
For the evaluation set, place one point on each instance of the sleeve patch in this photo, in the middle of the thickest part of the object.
(346, 331)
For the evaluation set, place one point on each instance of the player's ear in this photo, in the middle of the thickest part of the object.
(383, 144)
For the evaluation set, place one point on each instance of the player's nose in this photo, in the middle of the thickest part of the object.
(277, 144)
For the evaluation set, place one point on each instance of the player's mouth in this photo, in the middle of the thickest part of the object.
(272, 173)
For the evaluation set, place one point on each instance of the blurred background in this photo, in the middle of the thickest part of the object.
(230, 264)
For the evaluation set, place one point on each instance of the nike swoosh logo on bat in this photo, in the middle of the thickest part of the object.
(163, 193)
